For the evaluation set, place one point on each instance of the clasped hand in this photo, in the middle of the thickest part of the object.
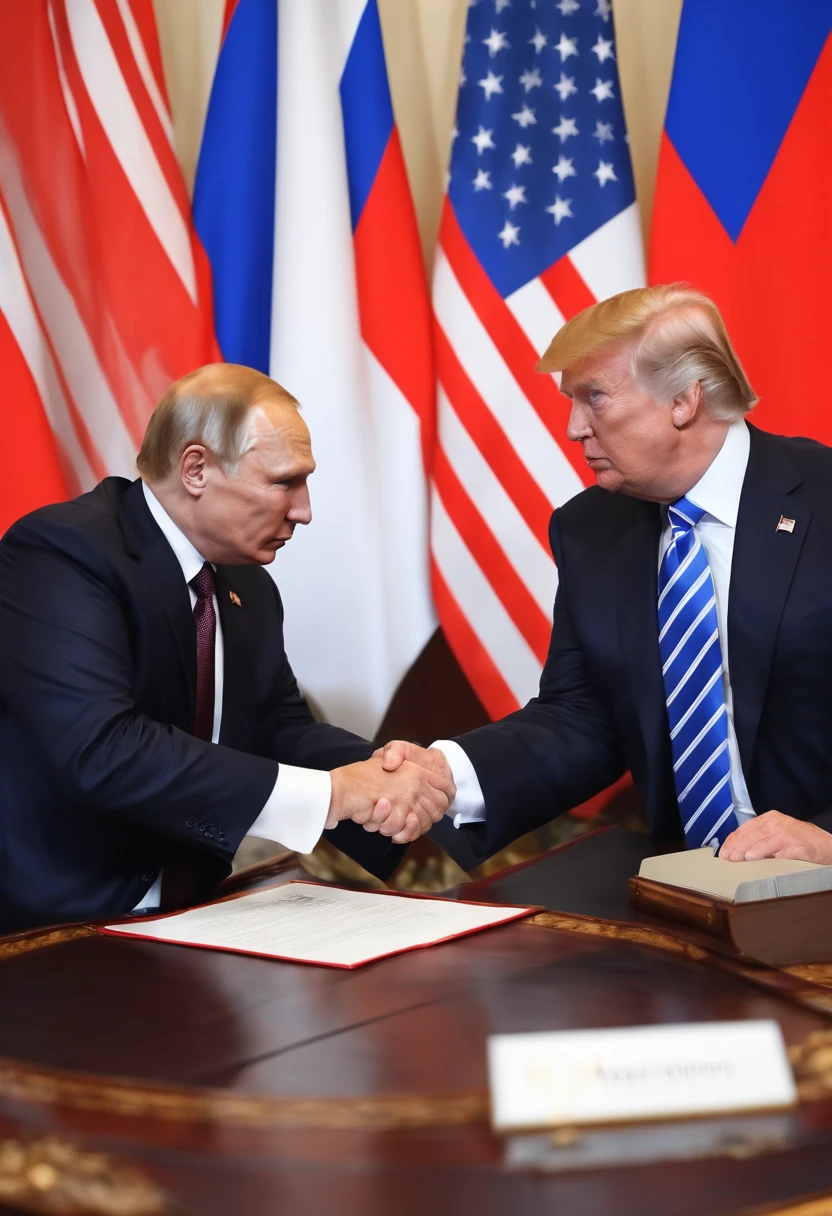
(400, 792)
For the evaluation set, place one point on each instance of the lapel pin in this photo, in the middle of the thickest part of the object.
(235, 599)
(784, 525)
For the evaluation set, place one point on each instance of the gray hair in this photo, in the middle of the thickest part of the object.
(213, 407)
(679, 338)
(689, 343)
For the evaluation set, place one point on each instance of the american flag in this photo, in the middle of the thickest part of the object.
(540, 221)
(104, 291)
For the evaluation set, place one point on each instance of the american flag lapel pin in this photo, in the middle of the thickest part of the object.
(784, 525)
(235, 599)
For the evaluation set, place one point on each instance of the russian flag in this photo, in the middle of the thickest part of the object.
(303, 206)
(744, 191)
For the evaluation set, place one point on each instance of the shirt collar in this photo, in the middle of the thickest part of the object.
(188, 557)
(718, 490)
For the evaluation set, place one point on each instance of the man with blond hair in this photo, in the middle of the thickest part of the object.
(149, 717)
(692, 635)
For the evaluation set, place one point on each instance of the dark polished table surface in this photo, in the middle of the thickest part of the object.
(138, 1077)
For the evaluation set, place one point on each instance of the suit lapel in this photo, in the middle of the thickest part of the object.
(239, 698)
(762, 569)
(637, 594)
(163, 575)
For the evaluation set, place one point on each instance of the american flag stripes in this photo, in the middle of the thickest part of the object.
(104, 291)
(539, 221)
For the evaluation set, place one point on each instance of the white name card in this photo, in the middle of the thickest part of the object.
(641, 1072)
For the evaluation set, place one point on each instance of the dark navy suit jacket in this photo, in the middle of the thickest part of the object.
(601, 706)
(99, 774)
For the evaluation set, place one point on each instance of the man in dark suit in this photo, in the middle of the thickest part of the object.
(692, 635)
(149, 717)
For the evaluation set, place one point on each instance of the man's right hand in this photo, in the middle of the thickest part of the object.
(399, 751)
(401, 802)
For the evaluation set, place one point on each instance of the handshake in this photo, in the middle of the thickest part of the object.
(400, 792)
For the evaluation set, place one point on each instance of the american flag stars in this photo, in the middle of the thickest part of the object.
(483, 140)
(516, 194)
(522, 155)
(496, 41)
(565, 87)
(603, 49)
(604, 173)
(510, 235)
(561, 209)
(531, 79)
(542, 99)
(566, 47)
(602, 90)
(491, 84)
(565, 128)
(525, 117)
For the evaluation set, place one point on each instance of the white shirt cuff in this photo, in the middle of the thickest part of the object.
(295, 814)
(469, 804)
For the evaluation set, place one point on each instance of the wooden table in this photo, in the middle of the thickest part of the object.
(142, 1077)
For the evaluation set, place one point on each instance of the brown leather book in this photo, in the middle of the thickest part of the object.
(780, 932)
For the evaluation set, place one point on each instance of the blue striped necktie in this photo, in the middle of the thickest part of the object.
(692, 671)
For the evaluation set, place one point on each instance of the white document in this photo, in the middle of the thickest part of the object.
(305, 922)
(641, 1072)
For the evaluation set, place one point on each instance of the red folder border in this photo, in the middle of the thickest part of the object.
(520, 914)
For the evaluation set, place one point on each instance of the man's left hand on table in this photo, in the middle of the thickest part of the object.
(776, 835)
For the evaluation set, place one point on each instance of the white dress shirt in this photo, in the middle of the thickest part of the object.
(718, 494)
(296, 809)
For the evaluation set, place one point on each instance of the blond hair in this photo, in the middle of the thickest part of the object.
(678, 336)
(210, 406)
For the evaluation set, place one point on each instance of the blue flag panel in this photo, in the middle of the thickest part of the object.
(235, 183)
(741, 68)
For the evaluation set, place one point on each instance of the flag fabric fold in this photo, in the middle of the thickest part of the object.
(540, 221)
(743, 192)
(104, 290)
(303, 204)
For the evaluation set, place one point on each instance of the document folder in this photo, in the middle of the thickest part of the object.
(304, 922)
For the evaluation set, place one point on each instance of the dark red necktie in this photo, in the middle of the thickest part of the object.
(179, 875)
(206, 633)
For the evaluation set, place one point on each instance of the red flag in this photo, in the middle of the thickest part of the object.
(30, 468)
(102, 282)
